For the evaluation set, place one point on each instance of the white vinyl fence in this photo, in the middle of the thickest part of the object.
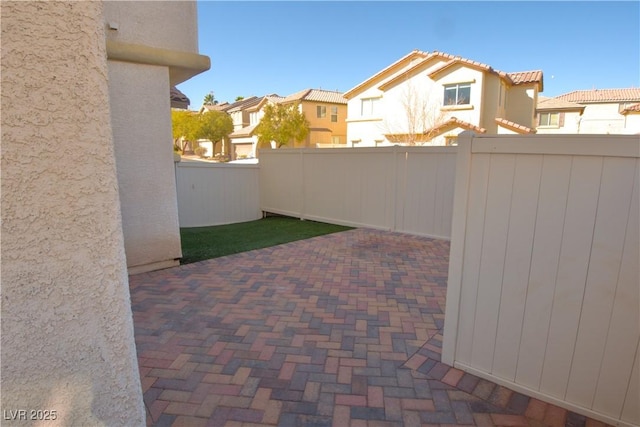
(217, 193)
(543, 292)
(405, 189)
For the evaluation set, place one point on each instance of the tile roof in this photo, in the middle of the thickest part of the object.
(216, 107)
(453, 123)
(317, 95)
(414, 54)
(525, 77)
(545, 103)
(516, 78)
(635, 108)
(516, 127)
(602, 95)
(245, 131)
(178, 99)
(460, 60)
(244, 103)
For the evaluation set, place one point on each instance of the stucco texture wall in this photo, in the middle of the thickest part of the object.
(141, 120)
(67, 331)
(144, 23)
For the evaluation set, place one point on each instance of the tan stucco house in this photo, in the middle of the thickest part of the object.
(88, 194)
(325, 110)
(594, 111)
(428, 98)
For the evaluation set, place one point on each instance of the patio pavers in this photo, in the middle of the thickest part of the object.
(338, 330)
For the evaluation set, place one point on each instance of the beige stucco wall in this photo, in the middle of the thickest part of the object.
(632, 124)
(571, 124)
(338, 129)
(602, 119)
(141, 120)
(150, 46)
(521, 103)
(420, 88)
(154, 24)
(67, 331)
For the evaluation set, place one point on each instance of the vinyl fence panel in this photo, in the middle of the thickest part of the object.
(405, 189)
(543, 293)
(216, 193)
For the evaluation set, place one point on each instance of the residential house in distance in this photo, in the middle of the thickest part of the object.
(239, 114)
(558, 116)
(246, 117)
(429, 98)
(325, 110)
(595, 111)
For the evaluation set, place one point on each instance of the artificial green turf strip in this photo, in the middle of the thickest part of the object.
(202, 243)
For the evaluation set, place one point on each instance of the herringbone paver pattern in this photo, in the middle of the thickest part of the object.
(339, 330)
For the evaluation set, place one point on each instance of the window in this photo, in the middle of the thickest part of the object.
(253, 118)
(334, 114)
(369, 106)
(549, 119)
(321, 111)
(458, 94)
(335, 140)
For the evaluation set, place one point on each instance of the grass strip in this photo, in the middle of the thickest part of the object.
(201, 243)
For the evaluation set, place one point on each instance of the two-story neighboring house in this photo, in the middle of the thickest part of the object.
(238, 111)
(246, 117)
(429, 98)
(325, 111)
(595, 111)
(558, 116)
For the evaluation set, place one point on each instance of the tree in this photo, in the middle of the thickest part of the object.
(282, 124)
(420, 114)
(209, 99)
(185, 128)
(239, 98)
(215, 126)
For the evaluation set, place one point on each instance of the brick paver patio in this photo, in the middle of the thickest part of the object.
(339, 330)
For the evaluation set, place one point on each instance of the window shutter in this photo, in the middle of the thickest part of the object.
(561, 120)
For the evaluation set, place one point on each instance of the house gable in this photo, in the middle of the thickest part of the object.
(415, 55)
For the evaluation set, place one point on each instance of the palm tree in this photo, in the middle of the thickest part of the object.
(209, 99)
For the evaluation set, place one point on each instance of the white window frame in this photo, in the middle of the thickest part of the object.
(369, 106)
(457, 87)
(321, 111)
(254, 118)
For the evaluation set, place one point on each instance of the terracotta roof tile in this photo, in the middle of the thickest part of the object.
(602, 95)
(453, 123)
(516, 127)
(524, 77)
(635, 108)
(557, 104)
(317, 95)
(414, 54)
(515, 78)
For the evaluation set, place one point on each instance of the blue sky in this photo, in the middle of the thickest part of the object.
(262, 47)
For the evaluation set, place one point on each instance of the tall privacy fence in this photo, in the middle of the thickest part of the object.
(217, 193)
(543, 291)
(405, 189)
